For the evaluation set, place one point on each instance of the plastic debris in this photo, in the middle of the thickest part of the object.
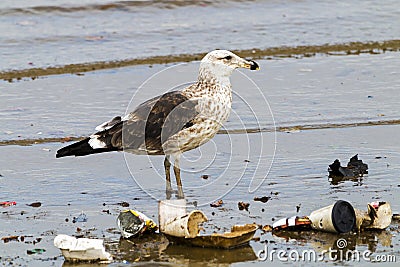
(243, 206)
(337, 218)
(175, 221)
(182, 227)
(81, 218)
(81, 249)
(292, 223)
(217, 204)
(298, 207)
(8, 203)
(35, 204)
(132, 223)
(263, 199)
(238, 236)
(185, 226)
(123, 204)
(355, 167)
(267, 228)
(35, 251)
(7, 239)
(340, 217)
(378, 216)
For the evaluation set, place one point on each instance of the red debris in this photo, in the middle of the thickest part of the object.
(8, 203)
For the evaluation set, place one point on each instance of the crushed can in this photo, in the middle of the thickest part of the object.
(132, 223)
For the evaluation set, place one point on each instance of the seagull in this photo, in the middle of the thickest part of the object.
(173, 123)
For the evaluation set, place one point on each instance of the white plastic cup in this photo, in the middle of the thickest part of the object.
(185, 226)
(169, 209)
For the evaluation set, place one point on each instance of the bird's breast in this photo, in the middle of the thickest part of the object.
(214, 101)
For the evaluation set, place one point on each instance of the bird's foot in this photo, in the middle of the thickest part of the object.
(168, 192)
(180, 194)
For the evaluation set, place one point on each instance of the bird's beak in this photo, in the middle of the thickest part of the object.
(249, 64)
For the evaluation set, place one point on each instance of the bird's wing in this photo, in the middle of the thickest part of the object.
(149, 125)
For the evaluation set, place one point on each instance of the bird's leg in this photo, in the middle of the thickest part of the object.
(167, 166)
(177, 172)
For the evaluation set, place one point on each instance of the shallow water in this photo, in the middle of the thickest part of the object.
(298, 176)
(334, 96)
(319, 90)
(88, 31)
(356, 89)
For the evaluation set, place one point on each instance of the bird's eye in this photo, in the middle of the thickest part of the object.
(228, 57)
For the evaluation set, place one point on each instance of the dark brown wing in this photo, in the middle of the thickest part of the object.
(151, 124)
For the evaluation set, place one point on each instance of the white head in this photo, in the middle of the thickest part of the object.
(219, 64)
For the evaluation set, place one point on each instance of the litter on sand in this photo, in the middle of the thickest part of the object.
(238, 236)
(81, 249)
(217, 204)
(81, 218)
(336, 218)
(175, 221)
(132, 223)
(7, 203)
(378, 216)
(35, 204)
(340, 217)
(243, 205)
(263, 199)
(35, 251)
(294, 222)
(7, 239)
(184, 228)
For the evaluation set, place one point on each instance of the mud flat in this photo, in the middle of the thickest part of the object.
(95, 185)
(320, 95)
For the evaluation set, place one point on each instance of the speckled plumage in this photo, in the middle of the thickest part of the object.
(174, 122)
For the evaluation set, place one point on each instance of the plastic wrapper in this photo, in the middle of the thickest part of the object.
(132, 223)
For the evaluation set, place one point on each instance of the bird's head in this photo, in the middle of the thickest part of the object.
(221, 63)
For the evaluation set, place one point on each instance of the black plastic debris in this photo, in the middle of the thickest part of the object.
(263, 199)
(35, 204)
(35, 251)
(355, 168)
(243, 206)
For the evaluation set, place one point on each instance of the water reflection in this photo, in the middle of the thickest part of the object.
(157, 248)
(321, 241)
(336, 180)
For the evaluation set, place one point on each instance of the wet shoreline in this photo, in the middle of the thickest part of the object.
(298, 175)
(28, 142)
(352, 48)
(327, 89)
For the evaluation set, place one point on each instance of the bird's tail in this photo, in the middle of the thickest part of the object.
(81, 148)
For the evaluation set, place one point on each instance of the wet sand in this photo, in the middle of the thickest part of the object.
(306, 93)
(357, 113)
(353, 48)
(328, 88)
(96, 184)
(48, 33)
